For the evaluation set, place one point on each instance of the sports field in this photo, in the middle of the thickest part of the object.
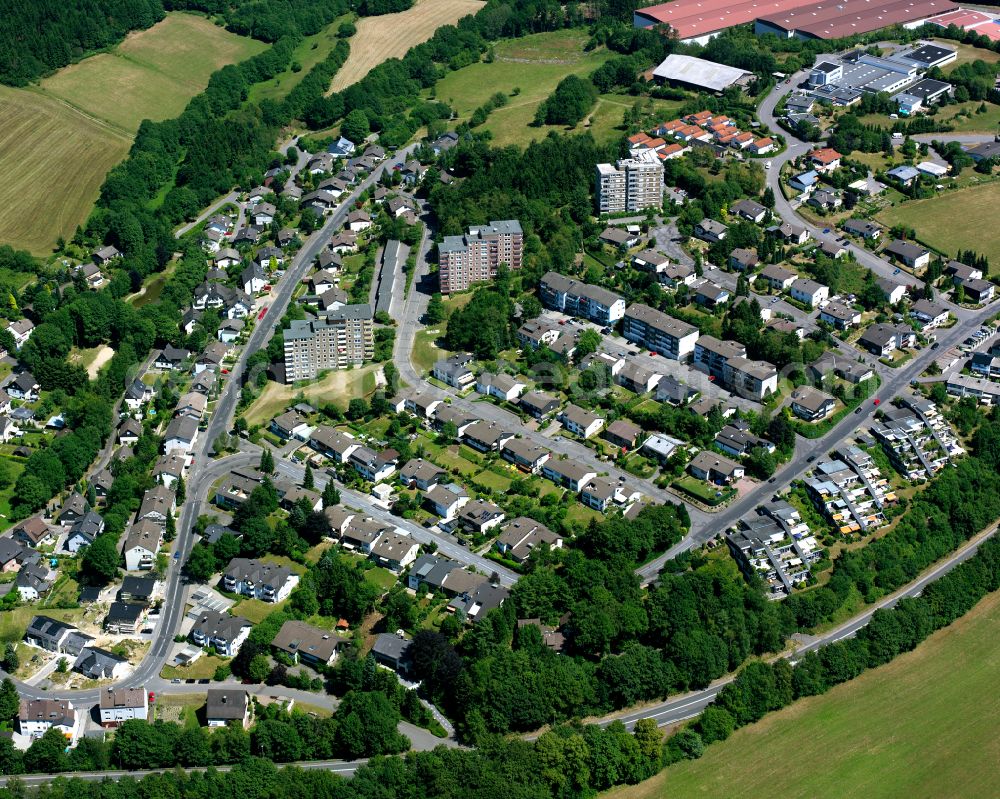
(391, 35)
(58, 140)
(954, 220)
(924, 725)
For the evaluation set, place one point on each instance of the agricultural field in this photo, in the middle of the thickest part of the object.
(58, 140)
(391, 35)
(152, 74)
(923, 725)
(953, 220)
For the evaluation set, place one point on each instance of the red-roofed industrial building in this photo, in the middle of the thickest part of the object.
(700, 20)
(837, 19)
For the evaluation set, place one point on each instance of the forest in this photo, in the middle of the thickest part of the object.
(40, 36)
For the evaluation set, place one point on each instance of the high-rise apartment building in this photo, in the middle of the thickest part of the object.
(629, 185)
(476, 256)
(345, 337)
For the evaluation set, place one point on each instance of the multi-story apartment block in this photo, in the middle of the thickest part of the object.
(754, 380)
(476, 256)
(629, 185)
(712, 354)
(344, 338)
(656, 331)
(581, 299)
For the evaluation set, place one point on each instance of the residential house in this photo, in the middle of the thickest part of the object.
(226, 707)
(602, 493)
(486, 436)
(929, 314)
(568, 474)
(893, 292)
(138, 394)
(750, 210)
(736, 439)
(33, 532)
(55, 636)
(840, 315)
(141, 545)
(73, 509)
(259, 579)
(790, 233)
(169, 469)
(420, 474)
(129, 432)
(672, 391)
(502, 386)
(479, 516)
(33, 581)
(336, 445)
(304, 643)
(291, 424)
(35, 717)
(454, 371)
(710, 230)
(137, 589)
(911, 255)
(23, 387)
(124, 618)
(225, 633)
(743, 260)
(446, 500)
(394, 551)
(525, 454)
(809, 292)
(978, 292)
(804, 181)
(650, 261)
(959, 272)
(392, 651)
(825, 159)
(538, 404)
(825, 200)
(122, 704)
(373, 466)
(812, 404)
(84, 531)
(623, 433)
(715, 468)
(180, 435)
(580, 421)
(170, 358)
(473, 606)
(882, 339)
(904, 175)
(710, 295)
(777, 277)
(870, 231)
(522, 536)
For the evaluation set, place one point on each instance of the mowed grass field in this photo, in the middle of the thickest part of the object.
(153, 73)
(391, 35)
(961, 219)
(922, 726)
(58, 140)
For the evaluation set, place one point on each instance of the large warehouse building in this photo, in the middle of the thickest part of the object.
(699, 20)
(836, 19)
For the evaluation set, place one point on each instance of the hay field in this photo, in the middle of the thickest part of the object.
(391, 35)
(58, 140)
(923, 725)
(152, 74)
(53, 159)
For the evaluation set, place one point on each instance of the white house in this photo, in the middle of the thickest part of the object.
(123, 704)
(809, 292)
(35, 717)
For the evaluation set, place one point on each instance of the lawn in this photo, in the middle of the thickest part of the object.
(152, 74)
(425, 349)
(179, 708)
(391, 35)
(534, 65)
(973, 123)
(953, 220)
(255, 610)
(338, 386)
(706, 492)
(923, 725)
(14, 622)
(966, 54)
(202, 669)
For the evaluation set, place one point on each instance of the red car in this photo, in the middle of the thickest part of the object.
(262, 312)
(152, 697)
(652, 354)
(878, 401)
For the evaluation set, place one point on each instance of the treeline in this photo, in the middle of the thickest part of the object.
(39, 36)
(268, 20)
(568, 761)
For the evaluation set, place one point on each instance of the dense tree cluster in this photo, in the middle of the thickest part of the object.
(572, 98)
(39, 36)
